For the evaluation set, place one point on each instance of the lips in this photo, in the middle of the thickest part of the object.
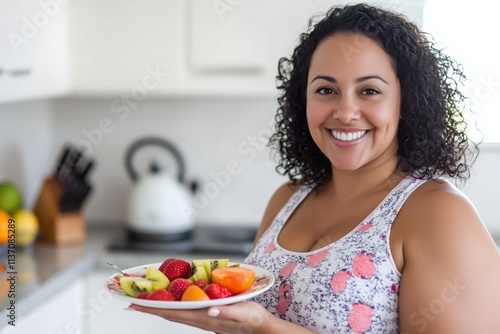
(348, 136)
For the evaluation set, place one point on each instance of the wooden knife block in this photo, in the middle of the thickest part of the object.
(55, 226)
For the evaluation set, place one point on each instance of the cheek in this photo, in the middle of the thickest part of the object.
(316, 113)
(385, 118)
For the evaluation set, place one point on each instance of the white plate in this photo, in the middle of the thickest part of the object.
(263, 281)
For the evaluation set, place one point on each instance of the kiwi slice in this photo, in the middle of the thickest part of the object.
(144, 284)
(210, 264)
(133, 286)
(160, 281)
(199, 272)
(218, 263)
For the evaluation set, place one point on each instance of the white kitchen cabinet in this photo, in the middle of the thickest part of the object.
(60, 314)
(135, 49)
(127, 48)
(34, 53)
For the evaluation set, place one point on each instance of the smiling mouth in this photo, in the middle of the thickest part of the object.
(348, 136)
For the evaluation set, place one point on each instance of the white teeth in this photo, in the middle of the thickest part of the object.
(348, 136)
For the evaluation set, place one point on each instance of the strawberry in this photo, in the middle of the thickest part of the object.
(165, 263)
(143, 295)
(178, 286)
(201, 283)
(177, 268)
(216, 291)
(161, 294)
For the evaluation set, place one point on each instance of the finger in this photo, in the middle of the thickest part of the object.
(246, 312)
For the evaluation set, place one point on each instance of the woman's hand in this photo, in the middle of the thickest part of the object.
(245, 317)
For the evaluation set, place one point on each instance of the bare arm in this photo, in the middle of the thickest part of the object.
(245, 317)
(450, 281)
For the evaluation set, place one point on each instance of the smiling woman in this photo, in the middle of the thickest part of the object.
(368, 235)
(353, 103)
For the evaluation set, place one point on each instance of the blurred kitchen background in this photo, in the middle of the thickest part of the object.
(103, 75)
(199, 73)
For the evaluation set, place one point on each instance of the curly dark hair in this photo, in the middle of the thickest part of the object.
(432, 131)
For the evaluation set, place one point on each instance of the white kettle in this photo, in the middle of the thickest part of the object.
(160, 204)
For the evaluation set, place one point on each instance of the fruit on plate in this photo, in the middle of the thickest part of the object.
(216, 291)
(178, 286)
(179, 280)
(201, 283)
(160, 294)
(176, 268)
(11, 199)
(153, 280)
(160, 281)
(194, 293)
(133, 286)
(209, 265)
(199, 274)
(143, 295)
(235, 279)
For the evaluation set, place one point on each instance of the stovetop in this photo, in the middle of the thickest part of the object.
(203, 239)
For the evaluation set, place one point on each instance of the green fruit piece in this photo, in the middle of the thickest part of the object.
(133, 286)
(218, 263)
(160, 281)
(199, 272)
(10, 197)
(144, 284)
(210, 264)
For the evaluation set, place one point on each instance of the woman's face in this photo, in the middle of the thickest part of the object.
(353, 102)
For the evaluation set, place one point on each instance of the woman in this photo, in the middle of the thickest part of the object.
(368, 236)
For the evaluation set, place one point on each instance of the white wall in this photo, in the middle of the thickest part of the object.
(26, 133)
(209, 132)
(483, 187)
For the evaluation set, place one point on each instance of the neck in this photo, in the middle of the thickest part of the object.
(368, 179)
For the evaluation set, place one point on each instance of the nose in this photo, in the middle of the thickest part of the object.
(346, 109)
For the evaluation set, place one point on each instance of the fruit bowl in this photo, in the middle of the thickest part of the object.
(263, 281)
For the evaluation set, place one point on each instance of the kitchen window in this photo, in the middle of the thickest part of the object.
(467, 30)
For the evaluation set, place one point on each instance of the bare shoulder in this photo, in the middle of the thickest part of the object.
(277, 201)
(451, 267)
(439, 207)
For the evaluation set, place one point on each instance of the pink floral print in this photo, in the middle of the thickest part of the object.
(349, 286)
(360, 317)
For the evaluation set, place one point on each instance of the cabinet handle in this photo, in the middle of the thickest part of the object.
(20, 72)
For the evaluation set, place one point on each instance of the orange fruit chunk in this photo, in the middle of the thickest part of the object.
(235, 279)
(194, 293)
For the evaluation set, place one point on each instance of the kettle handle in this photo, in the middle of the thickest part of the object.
(153, 141)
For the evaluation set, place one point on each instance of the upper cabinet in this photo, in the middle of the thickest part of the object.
(188, 47)
(34, 50)
(127, 47)
(134, 49)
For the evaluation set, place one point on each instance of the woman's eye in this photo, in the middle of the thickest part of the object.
(370, 91)
(324, 91)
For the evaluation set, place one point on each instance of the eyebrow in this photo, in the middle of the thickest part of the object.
(358, 80)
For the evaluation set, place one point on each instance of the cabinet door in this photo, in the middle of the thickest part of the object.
(127, 47)
(34, 57)
(106, 314)
(59, 314)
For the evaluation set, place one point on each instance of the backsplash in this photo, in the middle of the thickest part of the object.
(223, 143)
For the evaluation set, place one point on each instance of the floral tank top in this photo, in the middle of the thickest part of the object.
(349, 286)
